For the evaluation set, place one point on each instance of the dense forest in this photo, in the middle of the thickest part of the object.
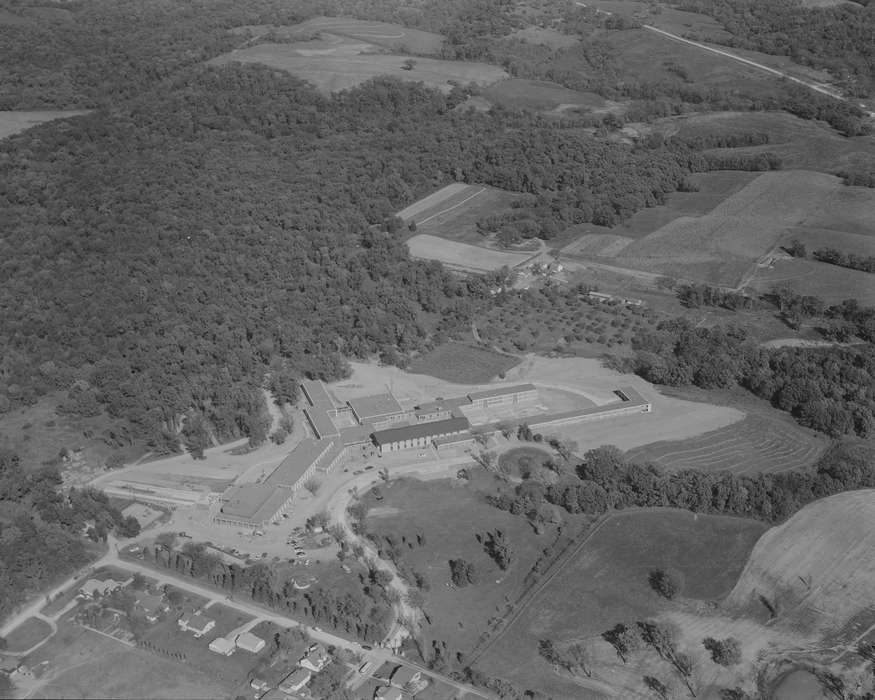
(839, 38)
(162, 257)
(41, 528)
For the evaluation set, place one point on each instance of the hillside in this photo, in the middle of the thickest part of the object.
(817, 567)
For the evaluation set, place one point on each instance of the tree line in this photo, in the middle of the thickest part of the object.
(833, 256)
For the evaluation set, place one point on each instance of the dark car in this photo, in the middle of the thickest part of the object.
(370, 466)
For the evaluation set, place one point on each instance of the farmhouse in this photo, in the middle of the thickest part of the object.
(223, 646)
(419, 435)
(249, 642)
(296, 681)
(503, 396)
(253, 505)
(197, 622)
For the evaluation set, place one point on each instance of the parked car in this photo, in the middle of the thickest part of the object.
(370, 466)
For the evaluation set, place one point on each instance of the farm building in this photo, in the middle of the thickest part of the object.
(223, 646)
(296, 681)
(503, 396)
(253, 505)
(249, 642)
(419, 435)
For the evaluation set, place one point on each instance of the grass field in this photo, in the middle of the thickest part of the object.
(15, 122)
(30, 632)
(519, 459)
(517, 93)
(451, 516)
(341, 63)
(83, 664)
(390, 36)
(606, 583)
(462, 256)
(463, 364)
(719, 247)
(453, 211)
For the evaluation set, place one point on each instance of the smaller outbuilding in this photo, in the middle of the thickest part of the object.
(223, 646)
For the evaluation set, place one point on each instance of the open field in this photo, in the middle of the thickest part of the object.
(719, 247)
(390, 36)
(462, 255)
(801, 143)
(82, 664)
(451, 516)
(30, 632)
(766, 441)
(606, 583)
(453, 211)
(517, 93)
(817, 567)
(463, 364)
(15, 122)
(602, 241)
(831, 283)
(338, 64)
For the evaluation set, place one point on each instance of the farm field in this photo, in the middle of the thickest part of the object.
(605, 582)
(517, 93)
(338, 63)
(602, 241)
(818, 565)
(761, 443)
(800, 143)
(453, 211)
(13, 122)
(463, 364)
(462, 256)
(29, 633)
(451, 516)
(831, 283)
(390, 36)
(78, 663)
(719, 247)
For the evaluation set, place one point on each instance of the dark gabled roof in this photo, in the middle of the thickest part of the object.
(421, 430)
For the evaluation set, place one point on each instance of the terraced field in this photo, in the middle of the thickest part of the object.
(758, 444)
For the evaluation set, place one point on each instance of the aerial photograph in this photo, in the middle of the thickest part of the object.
(437, 349)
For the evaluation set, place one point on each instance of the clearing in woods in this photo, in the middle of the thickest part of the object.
(336, 63)
(17, 121)
(390, 36)
(463, 364)
(606, 582)
(462, 256)
(518, 93)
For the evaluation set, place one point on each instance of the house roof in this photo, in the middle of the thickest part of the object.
(376, 406)
(501, 391)
(197, 621)
(256, 503)
(421, 430)
(298, 675)
(93, 585)
(249, 641)
(298, 461)
(222, 645)
(403, 675)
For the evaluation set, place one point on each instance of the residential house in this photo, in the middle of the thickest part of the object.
(198, 623)
(405, 676)
(295, 681)
(93, 585)
(315, 659)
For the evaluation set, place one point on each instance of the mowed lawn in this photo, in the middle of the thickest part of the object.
(451, 515)
(29, 633)
(605, 582)
(463, 364)
(84, 664)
